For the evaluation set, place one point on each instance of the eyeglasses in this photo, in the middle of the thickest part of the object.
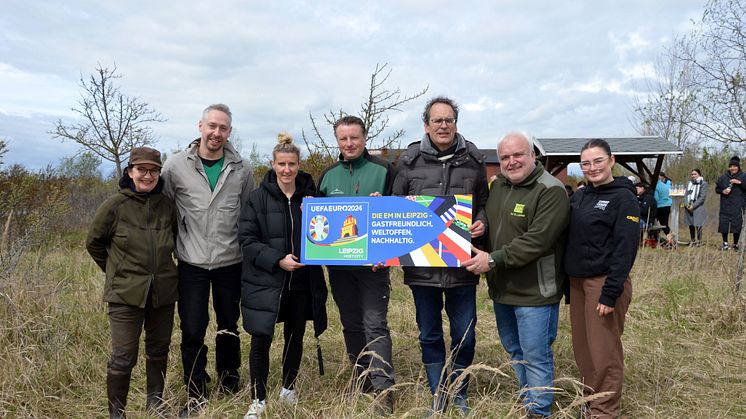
(143, 171)
(439, 121)
(588, 165)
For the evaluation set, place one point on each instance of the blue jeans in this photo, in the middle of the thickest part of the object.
(461, 308)
(527, 334)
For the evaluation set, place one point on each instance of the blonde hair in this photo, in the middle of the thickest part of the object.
(285, 145)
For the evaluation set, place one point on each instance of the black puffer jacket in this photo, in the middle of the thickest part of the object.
(270, 228)
(420, 172)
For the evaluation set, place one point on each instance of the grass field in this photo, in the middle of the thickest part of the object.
(685, 345)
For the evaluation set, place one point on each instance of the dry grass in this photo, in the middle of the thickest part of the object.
(685, 344)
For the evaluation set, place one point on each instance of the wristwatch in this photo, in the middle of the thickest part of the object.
(492, 263)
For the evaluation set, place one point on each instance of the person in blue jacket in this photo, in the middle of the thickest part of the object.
(663, 201)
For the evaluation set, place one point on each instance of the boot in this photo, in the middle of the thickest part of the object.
(117, 387)
(436, 379)
(460, 399)
(155, 375)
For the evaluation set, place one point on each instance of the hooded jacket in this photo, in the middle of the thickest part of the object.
(132, 238)
(732, 204)
(421, 172)
(604, 235)
(648, 206)
(527, 223)
(269, 229)
(208, 220)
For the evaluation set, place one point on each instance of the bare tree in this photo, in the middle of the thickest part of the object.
(668, 105)
(720, 64)
(373, 111)
(112, 123)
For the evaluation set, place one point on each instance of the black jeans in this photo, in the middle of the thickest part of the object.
(194, 296)
(362, 297)
(293, 306)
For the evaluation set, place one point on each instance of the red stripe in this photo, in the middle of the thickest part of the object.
(393, 262)
(452, 247)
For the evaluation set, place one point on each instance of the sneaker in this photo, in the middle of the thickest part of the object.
(735, 247)
(192, 407)
(288, 396)
(725, 246)
(256, 410)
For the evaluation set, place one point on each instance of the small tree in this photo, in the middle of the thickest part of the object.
(720, 64)
(112, 123)
(3, 149)
(83, 166)
(668, 106)
(373, 111)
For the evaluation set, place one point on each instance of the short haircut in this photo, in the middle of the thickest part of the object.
(350, 120)
(597, 142)
(522, 134)
(285, 145)
(440, 99)
(218, 107)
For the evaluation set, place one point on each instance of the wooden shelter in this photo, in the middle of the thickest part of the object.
(635, 154)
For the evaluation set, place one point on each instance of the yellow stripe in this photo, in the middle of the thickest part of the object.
(432, 256)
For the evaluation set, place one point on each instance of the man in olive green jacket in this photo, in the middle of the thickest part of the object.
(528, 212)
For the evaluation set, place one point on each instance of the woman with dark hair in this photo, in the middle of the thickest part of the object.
(275, 287)
(601, 249)
(696, 192)
(731, 187)
(132, 239)
(663, 204)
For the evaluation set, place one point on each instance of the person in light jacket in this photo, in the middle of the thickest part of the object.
(695, 215)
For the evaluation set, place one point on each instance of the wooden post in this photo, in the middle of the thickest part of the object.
(739, 265)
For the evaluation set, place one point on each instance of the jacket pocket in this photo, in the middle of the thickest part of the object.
(547, 274)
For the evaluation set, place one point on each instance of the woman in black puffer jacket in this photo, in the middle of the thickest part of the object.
(275, 287)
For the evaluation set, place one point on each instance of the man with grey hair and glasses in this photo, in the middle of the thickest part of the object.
(443, 162)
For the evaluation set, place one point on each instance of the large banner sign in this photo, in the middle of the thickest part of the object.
(393, 230)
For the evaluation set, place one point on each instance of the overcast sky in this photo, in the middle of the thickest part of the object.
(552, 68)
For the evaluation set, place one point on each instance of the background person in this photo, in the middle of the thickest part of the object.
(601, 249)
(694, 201)
(132, 239)
(275, 286)
(663, 204)
(731, 187)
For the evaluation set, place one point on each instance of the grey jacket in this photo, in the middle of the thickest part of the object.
(695, 197)
(420, 172)
(208, 220)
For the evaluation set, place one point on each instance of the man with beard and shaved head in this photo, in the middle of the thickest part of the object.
(528, 212)
(209, 181)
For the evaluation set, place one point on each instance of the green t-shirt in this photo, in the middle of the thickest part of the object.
(212, 170)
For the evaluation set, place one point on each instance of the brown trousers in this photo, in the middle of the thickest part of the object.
(597, 343)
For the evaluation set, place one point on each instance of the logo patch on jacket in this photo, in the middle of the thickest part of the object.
(633, 218)
(601, 205)
(336, 191)
(518, 210)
